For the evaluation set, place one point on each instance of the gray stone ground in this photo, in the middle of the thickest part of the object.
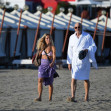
(18, 88)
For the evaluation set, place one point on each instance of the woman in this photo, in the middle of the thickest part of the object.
(46, 69)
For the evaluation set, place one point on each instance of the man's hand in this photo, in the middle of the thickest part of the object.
(86, 50)
(69, 67)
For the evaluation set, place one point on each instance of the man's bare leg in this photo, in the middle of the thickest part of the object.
(86, 86)
(73, 88)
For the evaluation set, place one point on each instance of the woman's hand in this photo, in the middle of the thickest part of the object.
(51, 64)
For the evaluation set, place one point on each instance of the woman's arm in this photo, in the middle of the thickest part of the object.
(40, 52)
(53, 56)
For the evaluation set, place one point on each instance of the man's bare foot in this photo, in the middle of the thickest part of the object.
(50, 99)
(71, 99)
(37, 99)
(86, 99)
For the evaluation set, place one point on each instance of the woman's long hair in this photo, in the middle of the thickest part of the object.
(41, 44)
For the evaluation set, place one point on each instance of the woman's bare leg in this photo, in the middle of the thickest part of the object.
(86, 86)
(40, 88)
(50, 92)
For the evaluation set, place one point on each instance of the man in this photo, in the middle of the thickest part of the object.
(81, 51)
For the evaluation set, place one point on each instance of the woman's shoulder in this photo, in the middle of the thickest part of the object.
(53, 48)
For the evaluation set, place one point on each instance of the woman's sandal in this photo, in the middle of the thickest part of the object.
(37, 99)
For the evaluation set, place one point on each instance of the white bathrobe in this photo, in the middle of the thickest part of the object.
(81, 68)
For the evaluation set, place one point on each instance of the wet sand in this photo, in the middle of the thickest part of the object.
(18, 88)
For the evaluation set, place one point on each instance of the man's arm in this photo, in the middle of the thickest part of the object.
(69, 55)
(91, 50)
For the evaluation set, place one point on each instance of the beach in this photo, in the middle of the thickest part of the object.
(18, 88)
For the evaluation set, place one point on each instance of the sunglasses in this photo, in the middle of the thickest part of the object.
(77, 27)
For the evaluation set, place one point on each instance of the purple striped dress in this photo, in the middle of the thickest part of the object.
(46, 72)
